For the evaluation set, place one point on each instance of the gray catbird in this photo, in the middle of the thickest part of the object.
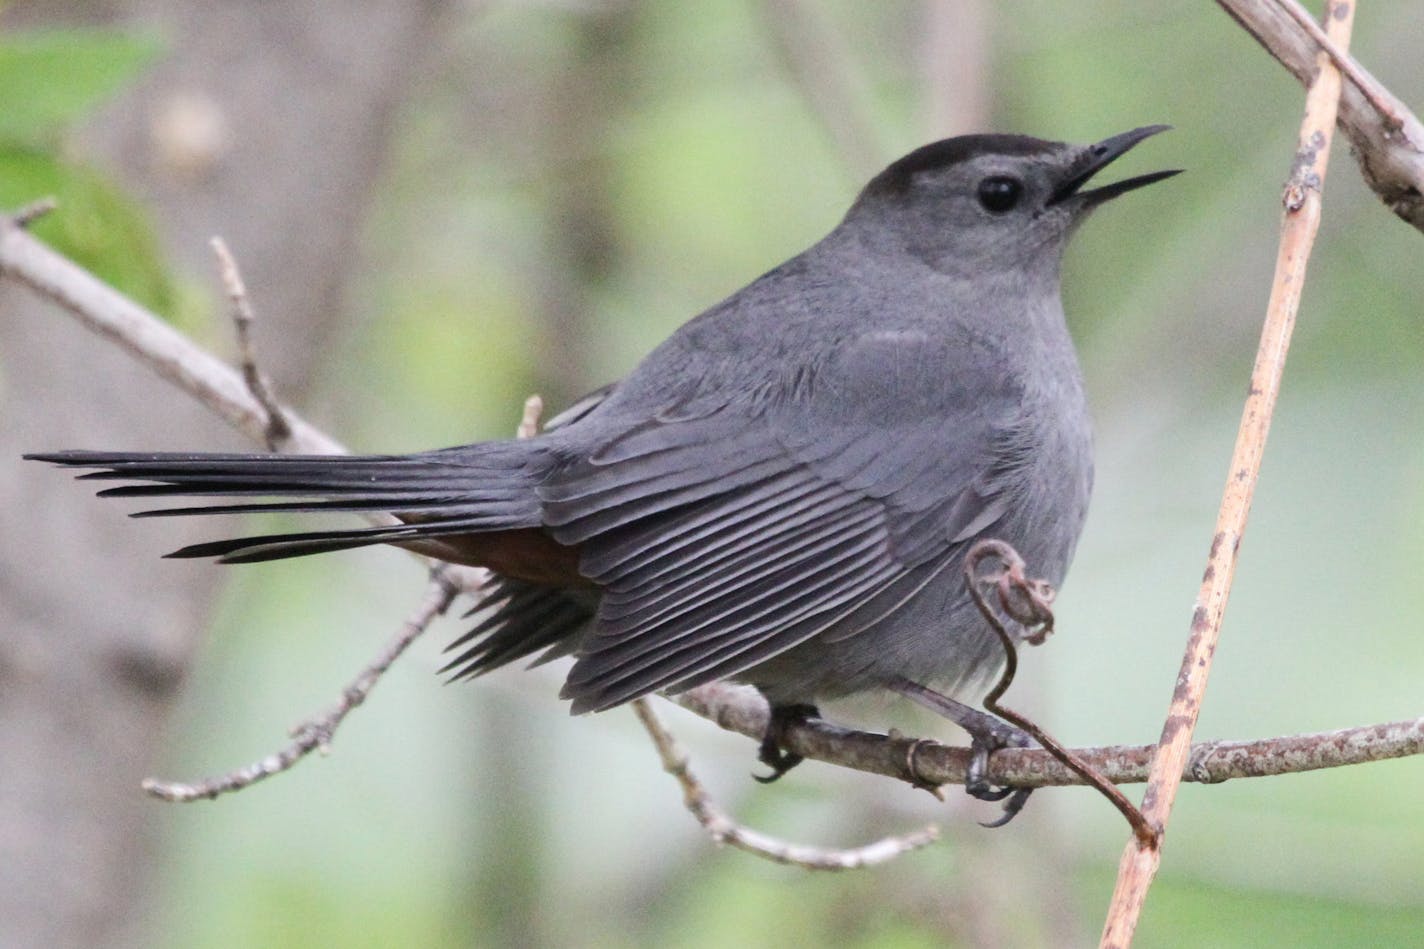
(783, 491)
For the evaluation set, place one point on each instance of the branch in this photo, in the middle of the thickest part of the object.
(316, 732)
(1387, 139)
(1301, 220)
(147, 338)
(170, 354)
(921, 763)
(724, 830)
(276, 432)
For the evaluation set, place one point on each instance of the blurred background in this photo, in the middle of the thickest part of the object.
(442, 206)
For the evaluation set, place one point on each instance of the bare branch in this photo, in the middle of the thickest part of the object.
(316, 733)
(147, 338)
(1344, 62)
(277, 432)
(170, 354)
(1386, 137)
(923, 763)
(724, 830)
(1302, 198)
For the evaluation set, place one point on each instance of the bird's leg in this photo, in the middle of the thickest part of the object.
(987, 735)
(771, 754)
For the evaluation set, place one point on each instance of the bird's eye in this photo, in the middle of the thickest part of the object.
(1000, 193)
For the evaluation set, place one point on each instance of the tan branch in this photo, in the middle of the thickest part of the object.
(1301, 220)
(1386, 137)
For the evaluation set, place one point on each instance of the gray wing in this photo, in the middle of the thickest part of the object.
(725, 535)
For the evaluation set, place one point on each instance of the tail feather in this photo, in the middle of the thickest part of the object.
(280, 546)
(523, 619)
(374, 505)
(484, 487)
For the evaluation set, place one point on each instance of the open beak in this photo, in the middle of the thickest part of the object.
(1097, 157)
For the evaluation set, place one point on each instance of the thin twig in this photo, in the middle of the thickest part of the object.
(724, 830)
(1299, 225)
(529, 420)
(146, 337)
(316, 733)
(1028, 602)
(33, 211)
(276, 433)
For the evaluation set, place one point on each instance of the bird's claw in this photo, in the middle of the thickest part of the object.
(976, 781)
(1012, 806)
(771, 753)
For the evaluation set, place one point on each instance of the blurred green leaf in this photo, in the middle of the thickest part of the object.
(95, 225)
(50, 79)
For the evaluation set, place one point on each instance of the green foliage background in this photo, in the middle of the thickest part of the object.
(48, 81)
(483, 815)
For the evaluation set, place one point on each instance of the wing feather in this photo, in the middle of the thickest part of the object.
(723, 537)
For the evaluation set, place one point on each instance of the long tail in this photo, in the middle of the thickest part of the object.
(471, 489)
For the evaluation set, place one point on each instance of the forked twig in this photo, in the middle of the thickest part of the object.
(1345, 63)
(316, 733)
(1386, 138)
(313, 733)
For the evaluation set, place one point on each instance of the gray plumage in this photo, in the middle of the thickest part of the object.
(783, 491)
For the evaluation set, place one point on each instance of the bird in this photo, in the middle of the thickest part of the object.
(783, 492)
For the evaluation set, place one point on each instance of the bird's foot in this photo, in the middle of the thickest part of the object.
(988, 734)
(976, 781)
(771, 753)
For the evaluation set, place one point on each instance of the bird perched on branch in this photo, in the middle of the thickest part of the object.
(783, 492)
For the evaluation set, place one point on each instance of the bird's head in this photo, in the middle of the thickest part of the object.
(977, 204)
